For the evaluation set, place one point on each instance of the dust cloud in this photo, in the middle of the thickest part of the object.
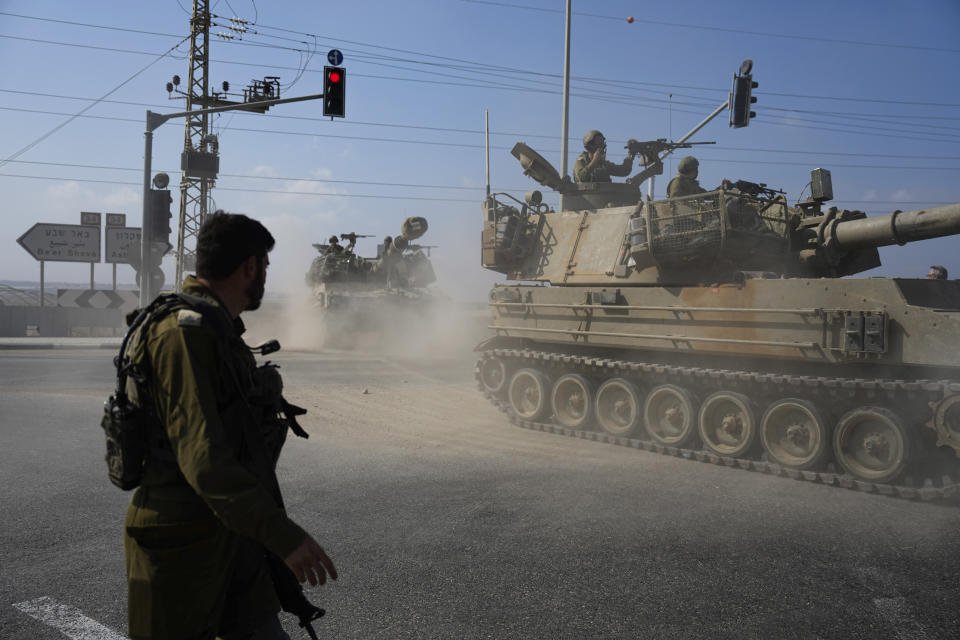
(439, 329)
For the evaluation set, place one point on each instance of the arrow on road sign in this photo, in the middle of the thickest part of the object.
(62, 242)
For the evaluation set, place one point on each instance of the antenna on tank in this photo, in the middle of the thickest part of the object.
(486, 115)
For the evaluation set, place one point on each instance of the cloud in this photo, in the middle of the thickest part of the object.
(901, 194)
(126, 197)
(67, 191)
(263, 170)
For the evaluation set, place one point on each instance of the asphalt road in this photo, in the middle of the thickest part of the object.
(447, 522)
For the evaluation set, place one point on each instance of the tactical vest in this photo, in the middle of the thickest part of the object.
(132, 428)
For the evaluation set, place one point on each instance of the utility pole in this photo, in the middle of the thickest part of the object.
(194, 190)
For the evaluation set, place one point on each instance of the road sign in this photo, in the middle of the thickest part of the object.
(62, 242)
(116, 219)
(124, 300)
(120, 243)
(335, 57)
(90, 217)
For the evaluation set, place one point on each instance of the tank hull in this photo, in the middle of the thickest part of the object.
(792, 320)
(811, 376)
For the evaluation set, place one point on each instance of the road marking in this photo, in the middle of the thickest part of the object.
(67, 620)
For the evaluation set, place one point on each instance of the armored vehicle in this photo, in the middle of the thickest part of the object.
(721, 327)
(357, 295)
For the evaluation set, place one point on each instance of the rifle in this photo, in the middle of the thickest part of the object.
(352, 236)
(649, 153)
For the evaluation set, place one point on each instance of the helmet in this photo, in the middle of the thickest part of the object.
(688, 164)
(333, 240)
(587, 139)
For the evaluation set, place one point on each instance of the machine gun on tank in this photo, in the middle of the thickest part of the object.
(649, 153)
(352, 236)
(756, 189)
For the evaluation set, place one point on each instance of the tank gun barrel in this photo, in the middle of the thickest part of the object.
(898, 227)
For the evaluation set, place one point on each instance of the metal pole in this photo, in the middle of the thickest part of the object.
(114, 276)
(145, 238)
(41, 283)
(92, 283)
(566, 101)
(703, 123)
(486, 115)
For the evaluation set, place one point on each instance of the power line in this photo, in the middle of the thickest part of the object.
(254, 177)
(49, 133)
(505, 148)
(721, 29)
(439, 129)
(396, 197)
(275, 191)
(477, 67)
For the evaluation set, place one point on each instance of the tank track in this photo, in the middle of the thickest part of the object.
(946, 490)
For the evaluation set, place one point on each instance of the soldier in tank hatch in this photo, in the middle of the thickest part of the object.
(937, 272)
(592, 165)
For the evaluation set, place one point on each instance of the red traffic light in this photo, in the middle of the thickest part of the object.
(334, 76)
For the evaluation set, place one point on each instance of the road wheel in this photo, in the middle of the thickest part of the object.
(670, 415)
(493, 375)
(727, 425)
(794, 434)
(572, 401)
(529, 394)
(618, 407)
(871, 443)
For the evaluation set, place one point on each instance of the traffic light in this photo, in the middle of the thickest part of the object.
(334, 82)
(741, 99)
(158, 215)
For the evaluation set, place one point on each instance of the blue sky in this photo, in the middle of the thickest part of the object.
(868, 90)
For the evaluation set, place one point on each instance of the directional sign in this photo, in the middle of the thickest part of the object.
(62, 242)
(116, 219)
(124, 300)
(120, 243)
(335, 57)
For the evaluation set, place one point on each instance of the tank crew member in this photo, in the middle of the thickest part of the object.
(334, 245)
(592, 165)
(937, 272)
(685, 182)
(199, 528)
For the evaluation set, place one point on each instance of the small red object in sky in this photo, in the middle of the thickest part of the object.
(630, 19)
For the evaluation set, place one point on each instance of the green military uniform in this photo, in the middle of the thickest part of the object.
(682, 185)
(602, 172)
(196, 528)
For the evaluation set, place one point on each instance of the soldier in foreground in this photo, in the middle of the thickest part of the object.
(592, 165)
(206, 530)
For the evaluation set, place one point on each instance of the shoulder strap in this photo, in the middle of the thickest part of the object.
(160, 306)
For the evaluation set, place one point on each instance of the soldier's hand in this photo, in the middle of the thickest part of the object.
(310, 562)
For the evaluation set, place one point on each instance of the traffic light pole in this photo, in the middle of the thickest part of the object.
(154, 120)
(689, 135)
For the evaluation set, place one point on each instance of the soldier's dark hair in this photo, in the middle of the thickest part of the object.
(941, 271)
(226, 240)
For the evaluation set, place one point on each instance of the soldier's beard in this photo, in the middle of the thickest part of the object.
(257, 288)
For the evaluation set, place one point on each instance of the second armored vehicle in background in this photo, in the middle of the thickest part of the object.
(367, 296)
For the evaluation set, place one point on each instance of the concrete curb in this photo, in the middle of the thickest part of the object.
(65, 343)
